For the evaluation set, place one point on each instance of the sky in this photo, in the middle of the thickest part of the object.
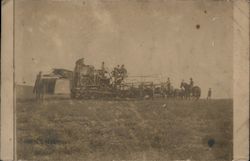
(161, 38)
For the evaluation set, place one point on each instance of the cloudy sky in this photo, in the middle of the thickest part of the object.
(164, 38)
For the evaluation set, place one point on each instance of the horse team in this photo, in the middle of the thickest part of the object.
(186, 90)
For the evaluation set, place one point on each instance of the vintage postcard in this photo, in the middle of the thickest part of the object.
(125, 80)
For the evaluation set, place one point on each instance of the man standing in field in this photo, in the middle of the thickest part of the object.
(191, 82)
(38, 87)
(209, 94)
(123, 71)
(168, 84)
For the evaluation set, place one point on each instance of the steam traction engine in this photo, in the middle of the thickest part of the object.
(89, 82)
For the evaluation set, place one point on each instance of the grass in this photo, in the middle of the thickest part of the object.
(98, 130)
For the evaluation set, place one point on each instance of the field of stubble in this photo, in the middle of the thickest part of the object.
(142, 130)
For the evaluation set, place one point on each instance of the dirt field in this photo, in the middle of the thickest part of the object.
(148, 130)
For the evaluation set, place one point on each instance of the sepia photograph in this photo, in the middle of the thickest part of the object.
(123, 80)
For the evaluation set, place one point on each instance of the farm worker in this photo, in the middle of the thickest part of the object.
(38, 87)
(117, 69)
(103, 70)
(123, 71)
(191, 83)
(182, 82)
(115, 73)
(168, 84)
(209, 94)
(103, 66)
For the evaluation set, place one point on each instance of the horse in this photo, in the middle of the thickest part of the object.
(179, 93)
(189, 91)
(186, 87)
(161, 91)
(196, 92)
(167, 92)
